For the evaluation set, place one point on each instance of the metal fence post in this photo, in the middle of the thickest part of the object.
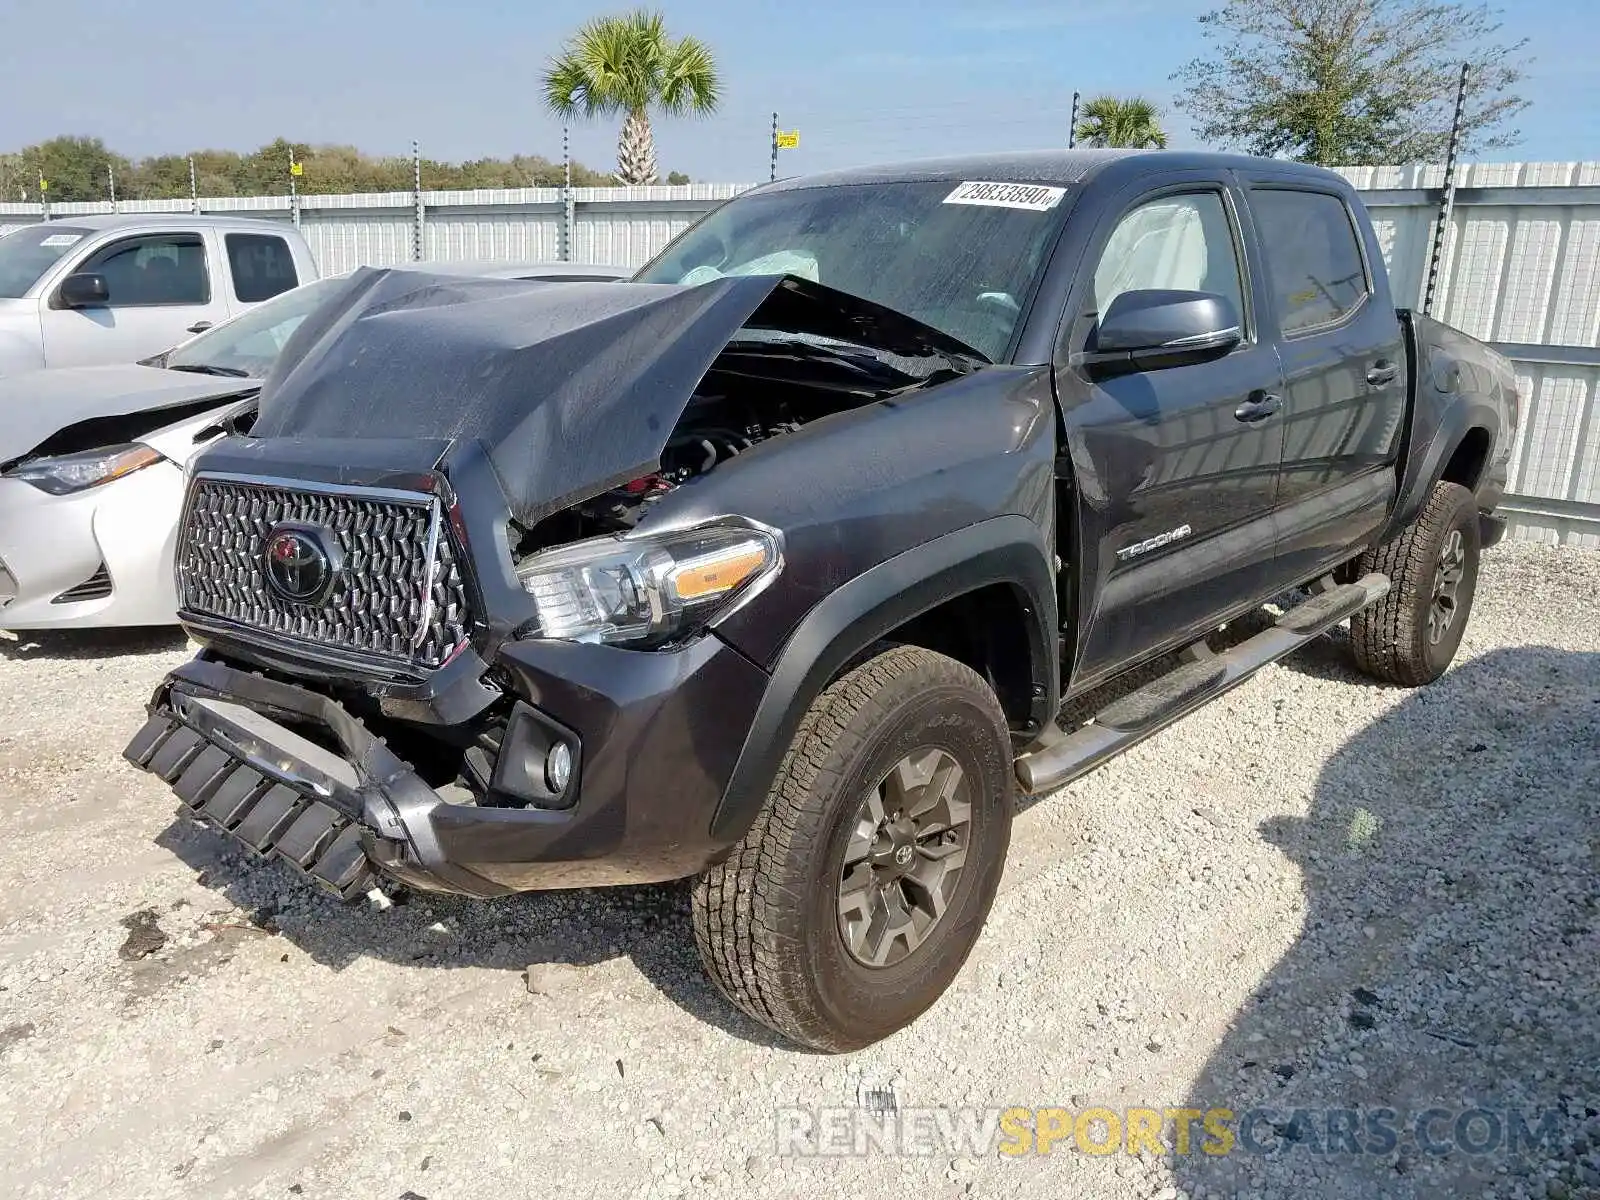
(1072, 129)
(419, 214)
(1448, 204)
(774, 148)
(194, 187)
(564, 249)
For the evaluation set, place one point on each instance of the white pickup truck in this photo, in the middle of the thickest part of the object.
(81, 291)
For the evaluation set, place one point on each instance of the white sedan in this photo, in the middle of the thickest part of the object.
(92, 460)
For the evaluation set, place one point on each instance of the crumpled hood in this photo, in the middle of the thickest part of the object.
(38, 404)
(570, 388)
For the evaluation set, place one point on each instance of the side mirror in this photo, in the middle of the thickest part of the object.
(1154, 329)
(85, 290)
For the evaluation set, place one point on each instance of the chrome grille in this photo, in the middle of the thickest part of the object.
(399, 597)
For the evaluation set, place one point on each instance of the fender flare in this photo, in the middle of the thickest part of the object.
(1426, 461)
(1008, 549)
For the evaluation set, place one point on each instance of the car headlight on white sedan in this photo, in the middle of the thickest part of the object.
(639, 589)
(63, 474)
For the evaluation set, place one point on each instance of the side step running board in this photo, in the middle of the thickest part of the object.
(1060, 757)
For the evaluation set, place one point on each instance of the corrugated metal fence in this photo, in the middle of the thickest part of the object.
(1521, 270)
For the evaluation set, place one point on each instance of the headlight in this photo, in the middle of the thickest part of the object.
(644, 588)
(66, 473)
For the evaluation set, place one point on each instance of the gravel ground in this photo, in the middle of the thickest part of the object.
(1316, 894)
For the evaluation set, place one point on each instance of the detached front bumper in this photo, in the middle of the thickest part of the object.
(291, 773)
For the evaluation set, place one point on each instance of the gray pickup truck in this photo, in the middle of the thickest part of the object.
(86, 291)
(783, 566)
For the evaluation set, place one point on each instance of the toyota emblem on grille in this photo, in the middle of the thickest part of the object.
(300, 565)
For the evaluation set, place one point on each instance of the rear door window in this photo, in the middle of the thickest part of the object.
(163, 268)
(1313, 258)
(262, 266)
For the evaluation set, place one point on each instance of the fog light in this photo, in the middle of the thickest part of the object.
(558, 767)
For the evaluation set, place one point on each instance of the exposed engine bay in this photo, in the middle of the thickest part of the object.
(762, 386)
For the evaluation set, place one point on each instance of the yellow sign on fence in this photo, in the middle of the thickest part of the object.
(788, 139)
(297, 169)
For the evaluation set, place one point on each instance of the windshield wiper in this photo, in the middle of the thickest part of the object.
(858, 356)
(861, 360)
(210, 369)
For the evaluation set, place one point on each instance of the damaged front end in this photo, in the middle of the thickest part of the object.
(453, 631)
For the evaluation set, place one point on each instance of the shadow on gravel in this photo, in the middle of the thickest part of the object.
(1327, 657)
(547, 937)
(23, 645)
(1435, 1031)
(1330, 657)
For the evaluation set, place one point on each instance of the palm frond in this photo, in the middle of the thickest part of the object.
(629, 64)
(1111, 121)
(566, 87)
(689, 81)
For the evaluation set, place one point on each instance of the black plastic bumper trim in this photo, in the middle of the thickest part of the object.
(268, 817)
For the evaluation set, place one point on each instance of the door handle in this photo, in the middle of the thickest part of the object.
(1382, 373)
(1259, 407)
(202, 326)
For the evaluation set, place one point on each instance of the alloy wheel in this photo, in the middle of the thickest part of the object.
(907, 847)
(1447, 577)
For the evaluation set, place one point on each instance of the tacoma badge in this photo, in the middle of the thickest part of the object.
(1155, 543)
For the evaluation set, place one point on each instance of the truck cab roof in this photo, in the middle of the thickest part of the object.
(1061, 168)
(112, 222)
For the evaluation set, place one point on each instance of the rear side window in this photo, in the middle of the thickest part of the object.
(262, 266)
(164, 268)
(1313, 258)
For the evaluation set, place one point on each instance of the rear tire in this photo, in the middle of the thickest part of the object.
(1412, 634)
(820, 887)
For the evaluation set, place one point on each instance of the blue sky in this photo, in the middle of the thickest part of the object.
(863, 81)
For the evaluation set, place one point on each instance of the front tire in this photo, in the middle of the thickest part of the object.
(854, 899)
(1412, 634)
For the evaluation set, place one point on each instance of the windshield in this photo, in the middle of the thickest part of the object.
(250, 344)
(952, 255)
(27, 253)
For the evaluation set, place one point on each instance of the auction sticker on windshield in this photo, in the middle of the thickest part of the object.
(62, 239)
(1034, 197)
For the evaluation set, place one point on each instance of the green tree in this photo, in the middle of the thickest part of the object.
(265, 172)
(629, 65)
(75, 168)
(1352, 82)
(1109, 121)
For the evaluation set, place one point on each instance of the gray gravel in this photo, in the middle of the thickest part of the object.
(1317, 893)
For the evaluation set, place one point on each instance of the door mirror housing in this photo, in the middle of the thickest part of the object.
(85, 290)
(1154, 329)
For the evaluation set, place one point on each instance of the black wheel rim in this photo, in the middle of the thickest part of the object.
(908, 845)
(1447, 578)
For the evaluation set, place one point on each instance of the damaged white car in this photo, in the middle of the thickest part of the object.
(92, 459)
(92, 469)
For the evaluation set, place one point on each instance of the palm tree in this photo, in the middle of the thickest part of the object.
(1108, 121)
(629, 65)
